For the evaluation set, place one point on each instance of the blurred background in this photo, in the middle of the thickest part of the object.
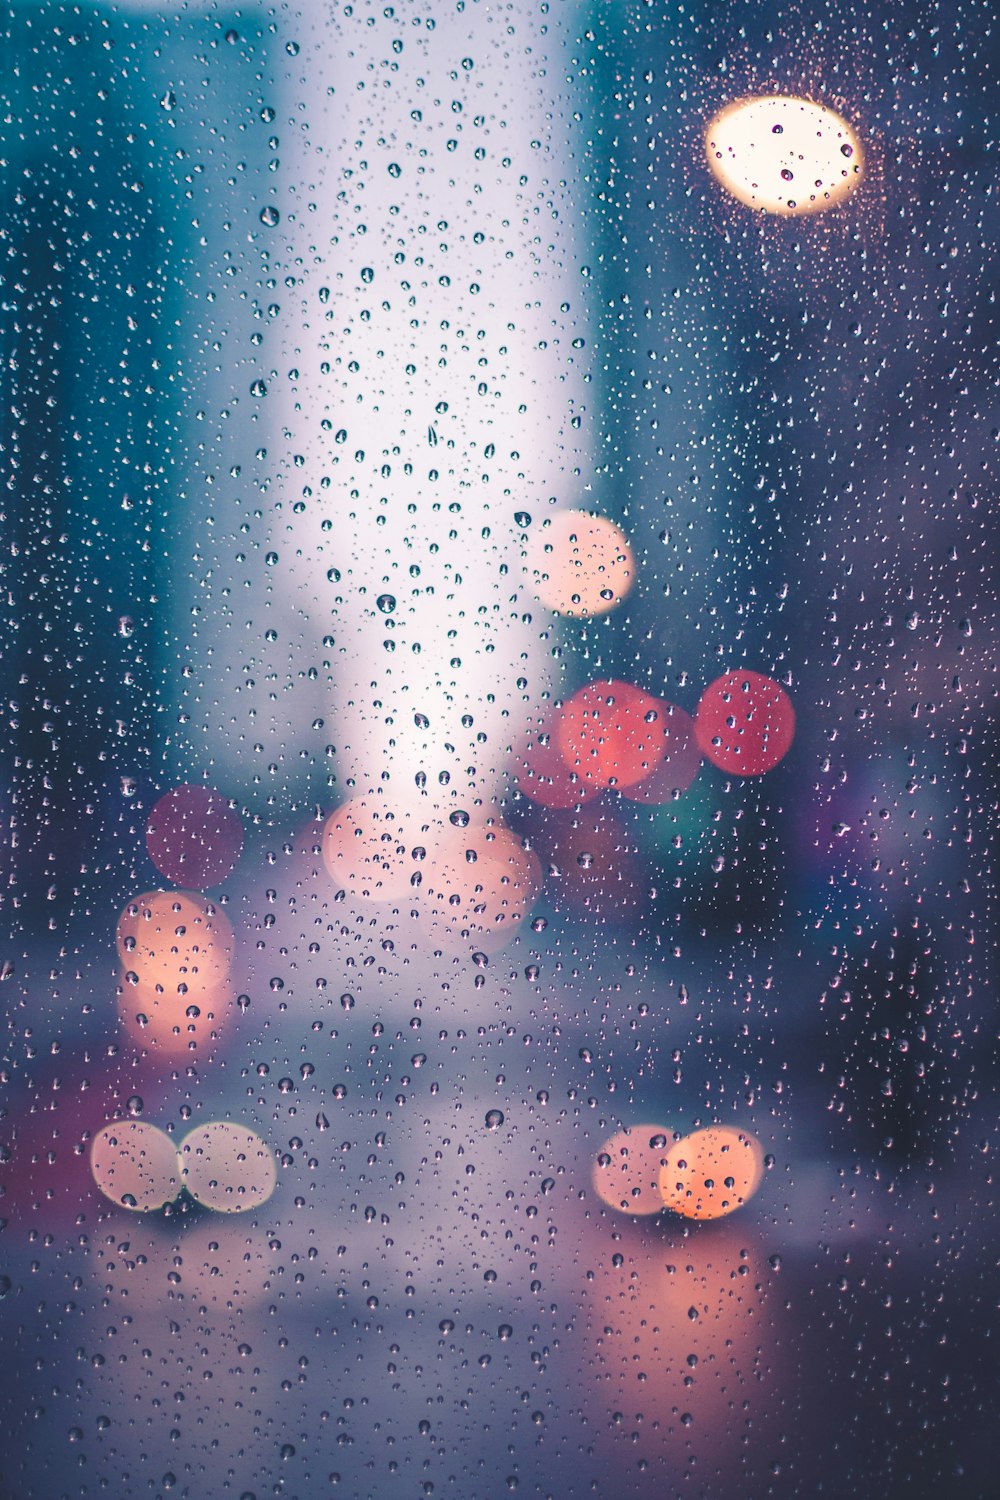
(313, 320)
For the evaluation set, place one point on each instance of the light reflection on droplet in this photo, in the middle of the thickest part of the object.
(784, 155)
(134, 1164)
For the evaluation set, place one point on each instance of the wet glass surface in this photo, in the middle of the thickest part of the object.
(499, 790)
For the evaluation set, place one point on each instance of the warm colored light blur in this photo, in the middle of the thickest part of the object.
(227, 1167)
(193, 837)
(174, 1023)
(711, 1173)
(745, 723)
(373, 850)
(174, 939)
(784, 155)
(679, 758)
(626, 1172)
(135, 1165)
(482, 883)
(543, 776)
(676, 1337)
(610, 734)
(579, 564)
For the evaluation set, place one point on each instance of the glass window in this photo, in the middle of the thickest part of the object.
(499, 789)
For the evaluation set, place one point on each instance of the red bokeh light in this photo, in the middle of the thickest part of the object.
(680, 758)
(610, 734)
(745, 723)
(542, 775)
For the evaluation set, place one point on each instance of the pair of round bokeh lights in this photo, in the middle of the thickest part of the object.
(612, 734)
(708, 1174)
(222, 1166)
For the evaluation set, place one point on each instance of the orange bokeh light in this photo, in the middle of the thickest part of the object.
(482, 883)
(784, 155)
(711, 1172)
(611, 734)
(745, 723)
(580, 564)
(135, 1165)
(177, 940)
(373, 850)
(626, 1171)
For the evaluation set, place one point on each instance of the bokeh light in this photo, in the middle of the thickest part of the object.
(626, 1171)
(481, 884)
(610, 733)
(674, 1335)
(135, 1165)
(542, 775)
(227, 1167)
(373, 850)
(193, 837)
(784, 155)
(174, 1023)
(178, 941)
(745, 723)
(676, 745)
(580, 564)
(711, 1172)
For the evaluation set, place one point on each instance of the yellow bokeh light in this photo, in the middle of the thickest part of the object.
(711, 1172)
(580, 564)
(627, 1168)
(784, 155)
(177, 940)
(227, 1167)
(135, 1165)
